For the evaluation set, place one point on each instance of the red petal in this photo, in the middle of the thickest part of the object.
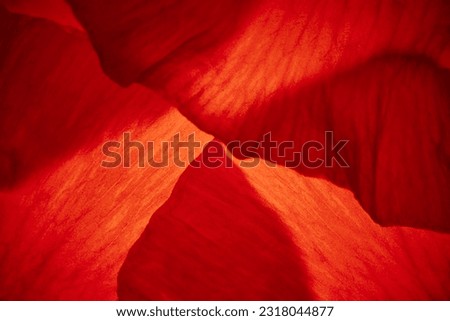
(67, 223)
(280, 68)
(55, 10)
(269, 234)
(55, 99)
(214, 240)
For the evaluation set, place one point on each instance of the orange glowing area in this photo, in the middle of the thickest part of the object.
(78, 221)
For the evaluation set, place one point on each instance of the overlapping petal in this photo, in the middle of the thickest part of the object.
(66, 222)
(269, 233)
(373, 73)
(54, 10)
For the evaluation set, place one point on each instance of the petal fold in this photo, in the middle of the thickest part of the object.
(298, 69)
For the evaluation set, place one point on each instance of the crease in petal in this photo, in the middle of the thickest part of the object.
(57, 11)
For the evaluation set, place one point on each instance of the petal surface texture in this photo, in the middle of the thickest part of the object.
(375, 73)
(269, 234)
(66, 222)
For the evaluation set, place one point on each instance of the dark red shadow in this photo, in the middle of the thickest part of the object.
(197, 247)
(55, 99)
